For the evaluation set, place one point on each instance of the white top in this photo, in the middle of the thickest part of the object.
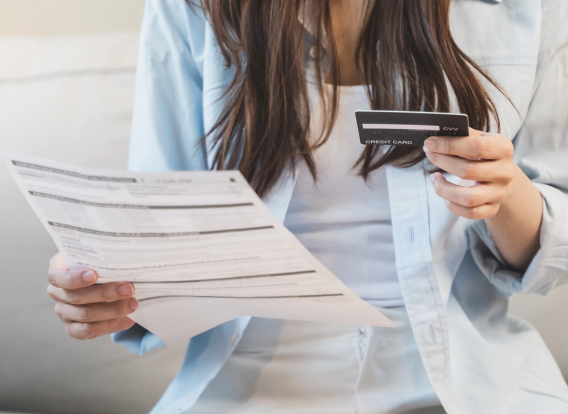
(342, 220)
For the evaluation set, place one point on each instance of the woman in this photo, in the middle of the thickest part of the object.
(272, 86)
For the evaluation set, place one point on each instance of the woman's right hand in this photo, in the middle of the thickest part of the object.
(86, 309)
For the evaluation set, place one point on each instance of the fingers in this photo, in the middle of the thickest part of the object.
(468, 196)
(500, 171)
(105, 292)
(89, 310)
(474, 213)
(96, 312)
(59, 275)
(474, 132)
(474, 203)
(82, 331)
(479, 146)
(123, 323)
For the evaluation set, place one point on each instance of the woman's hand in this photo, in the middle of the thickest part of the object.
(510, 204)
(481, 157)
(86, 309)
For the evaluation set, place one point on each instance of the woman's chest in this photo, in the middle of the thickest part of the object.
(502, 37)
(339, 194)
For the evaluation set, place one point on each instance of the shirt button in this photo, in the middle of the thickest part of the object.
(314, 52)
(234, 339)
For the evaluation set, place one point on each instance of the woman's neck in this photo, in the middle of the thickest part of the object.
(347, 18)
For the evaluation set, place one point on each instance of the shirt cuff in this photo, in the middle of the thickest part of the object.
(547, 269)
(137, 339)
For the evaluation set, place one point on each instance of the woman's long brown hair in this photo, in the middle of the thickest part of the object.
(405, 52)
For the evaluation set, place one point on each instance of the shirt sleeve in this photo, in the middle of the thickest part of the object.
(541, 151)
(167, 123)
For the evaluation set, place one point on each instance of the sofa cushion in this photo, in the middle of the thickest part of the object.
(70, 99)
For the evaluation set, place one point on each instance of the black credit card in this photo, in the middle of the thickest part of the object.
(408, 128)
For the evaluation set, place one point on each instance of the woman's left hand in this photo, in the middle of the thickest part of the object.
(481, 157)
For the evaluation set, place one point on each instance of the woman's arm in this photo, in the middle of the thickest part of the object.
(166, 129)
(516, 226)
(529, 212)
(167, 119)
(504, 196)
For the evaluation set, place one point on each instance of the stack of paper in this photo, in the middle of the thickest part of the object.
(200, 246)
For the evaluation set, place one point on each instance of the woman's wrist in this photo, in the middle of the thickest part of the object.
(516, 226)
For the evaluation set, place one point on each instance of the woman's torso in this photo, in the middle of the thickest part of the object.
(343, 220)
(293, 367)
(466, 342)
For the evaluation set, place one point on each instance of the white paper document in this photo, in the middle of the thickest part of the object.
(200, 246)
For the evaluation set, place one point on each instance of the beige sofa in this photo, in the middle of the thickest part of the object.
(70, 99)
(67, 98)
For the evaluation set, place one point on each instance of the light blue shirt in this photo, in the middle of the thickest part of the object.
(454, 282)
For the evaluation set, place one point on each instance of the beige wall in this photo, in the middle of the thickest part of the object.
(38, 17)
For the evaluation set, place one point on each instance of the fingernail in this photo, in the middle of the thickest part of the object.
(425, 150)
(447, 202)
(433, 178)
(133, 304)
(89, 276)
(126, 289)
(431, 143)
